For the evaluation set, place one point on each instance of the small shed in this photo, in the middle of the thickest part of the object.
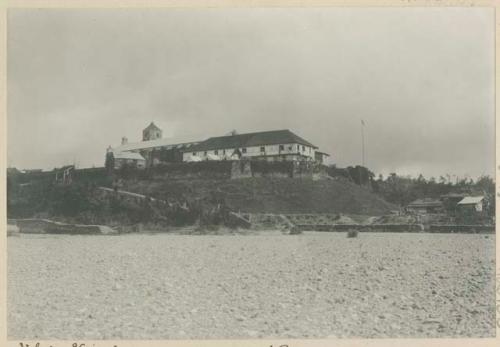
(426, 205)
(320, 157)
(471, 203)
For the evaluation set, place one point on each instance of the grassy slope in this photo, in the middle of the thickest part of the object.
(271, 195)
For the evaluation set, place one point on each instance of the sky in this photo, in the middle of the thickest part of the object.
(422, 79)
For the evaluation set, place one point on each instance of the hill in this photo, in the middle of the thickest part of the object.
(186, 200)
(268, 195)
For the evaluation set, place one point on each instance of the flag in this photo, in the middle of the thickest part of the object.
(362, 122)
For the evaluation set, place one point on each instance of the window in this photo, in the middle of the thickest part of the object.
(223, 151)
(205, 153)
(282, 147)
(303, 148)
(290, 148)
(262, 149)
(243, 150)
(216, 152)
(194, 153)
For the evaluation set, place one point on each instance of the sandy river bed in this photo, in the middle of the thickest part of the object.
(312, 285)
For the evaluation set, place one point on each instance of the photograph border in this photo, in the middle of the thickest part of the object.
(108, 4)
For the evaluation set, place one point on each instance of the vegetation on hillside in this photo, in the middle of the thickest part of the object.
(401, 190)
(193, 199)
(269, 195)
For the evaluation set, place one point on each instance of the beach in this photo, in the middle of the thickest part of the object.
(265, 285)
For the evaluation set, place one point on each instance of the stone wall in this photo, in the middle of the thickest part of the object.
(225, 169)
(194, 170)
(362, 227)
(463, 229)
(45, 226)
(470, 229)
(277, 169)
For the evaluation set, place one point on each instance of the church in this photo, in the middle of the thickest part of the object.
(274, 145)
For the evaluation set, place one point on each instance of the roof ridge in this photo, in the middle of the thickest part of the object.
(268, 137)
(252, 133)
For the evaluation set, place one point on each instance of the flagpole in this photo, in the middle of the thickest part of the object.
(363, 143)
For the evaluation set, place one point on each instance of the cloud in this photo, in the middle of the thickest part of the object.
(422, 79)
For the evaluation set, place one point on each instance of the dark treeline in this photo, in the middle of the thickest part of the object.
(82, 202)
(402, 190)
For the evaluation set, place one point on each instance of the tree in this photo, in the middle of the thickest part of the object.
(109, 162)
(360, 175)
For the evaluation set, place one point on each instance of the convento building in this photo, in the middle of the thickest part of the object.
(275, 145)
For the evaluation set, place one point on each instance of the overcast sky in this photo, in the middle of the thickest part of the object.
(422, 79)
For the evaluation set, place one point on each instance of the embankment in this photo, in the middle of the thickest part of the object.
(269, 195)
(173, 196)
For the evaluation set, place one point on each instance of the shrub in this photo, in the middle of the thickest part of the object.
(352, 233)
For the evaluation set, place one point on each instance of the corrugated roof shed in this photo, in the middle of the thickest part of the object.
(471, 200)
(262, 138)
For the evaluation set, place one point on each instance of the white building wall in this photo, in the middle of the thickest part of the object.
(255, 151)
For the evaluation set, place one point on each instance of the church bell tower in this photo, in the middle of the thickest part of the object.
(151, 132)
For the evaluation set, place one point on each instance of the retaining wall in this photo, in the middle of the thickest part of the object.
(45, 226)
(471, 229)
(277, 169)
(362, 227)
(205, 169)
(226, 169)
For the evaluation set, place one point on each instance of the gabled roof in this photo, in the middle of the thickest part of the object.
(128, 155)
(468, 200)
(273, 137)
(151, 126)
(425, 202)
(454, 196)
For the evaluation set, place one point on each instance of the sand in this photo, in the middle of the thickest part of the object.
(314, 285)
